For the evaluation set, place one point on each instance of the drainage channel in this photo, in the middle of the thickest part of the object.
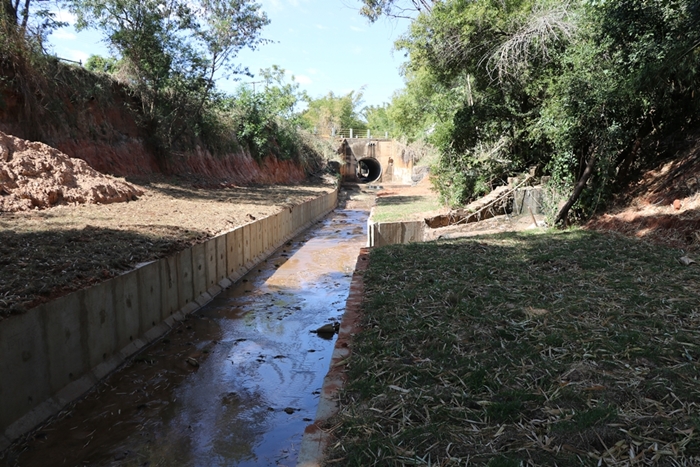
(235, 384)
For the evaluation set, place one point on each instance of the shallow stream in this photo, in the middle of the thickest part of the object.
(235, 384)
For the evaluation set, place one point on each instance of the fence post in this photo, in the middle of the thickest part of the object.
(350, 133)
(367, 133)
(386, 135)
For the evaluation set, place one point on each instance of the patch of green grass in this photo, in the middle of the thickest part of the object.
(587, 419)
(566, 346)
(402, 208)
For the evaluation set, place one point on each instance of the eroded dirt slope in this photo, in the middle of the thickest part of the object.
(663, 206)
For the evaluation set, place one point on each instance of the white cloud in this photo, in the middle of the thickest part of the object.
(356, 29)
(357, 50)
(303, 79)
(66, 16)
(312, 71)
(320, 26)
(64, 35)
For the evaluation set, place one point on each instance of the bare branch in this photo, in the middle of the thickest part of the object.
(533, 40)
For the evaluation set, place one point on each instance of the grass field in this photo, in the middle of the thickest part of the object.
(540, 348)
(398, 208)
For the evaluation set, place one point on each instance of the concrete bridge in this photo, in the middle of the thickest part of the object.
(377, 160)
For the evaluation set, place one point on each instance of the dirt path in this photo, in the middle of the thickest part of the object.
(48, 253)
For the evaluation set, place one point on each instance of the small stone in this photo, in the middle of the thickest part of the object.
(326, 329)
(192, 361)
(289, 410)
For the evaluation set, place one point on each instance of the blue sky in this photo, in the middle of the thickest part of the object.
(325, 44)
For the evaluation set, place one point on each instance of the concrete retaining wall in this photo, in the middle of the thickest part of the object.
(528, 199)
(55, 352)
(390, 233)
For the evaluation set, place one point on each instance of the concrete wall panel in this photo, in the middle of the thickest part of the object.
(24, 366)
(247, 258)
(236, 262)
(185, 281)
(61, 323)
(199, 269)
(101, 322)
(391, 233)
(126, 309)
(221, 258)
(149, 283)
(169, 293)
(211, 259)
(266, 235)
(258, 235)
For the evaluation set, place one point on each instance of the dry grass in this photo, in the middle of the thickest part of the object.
(401, 203)
(539, 349)
(46, 254)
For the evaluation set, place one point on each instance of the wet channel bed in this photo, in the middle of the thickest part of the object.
(233, 384)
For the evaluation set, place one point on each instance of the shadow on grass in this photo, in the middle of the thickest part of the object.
(556, 347)
(399, 200)
(39, 266)
(265, 195)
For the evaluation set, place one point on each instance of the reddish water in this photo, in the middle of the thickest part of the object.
(233, 385)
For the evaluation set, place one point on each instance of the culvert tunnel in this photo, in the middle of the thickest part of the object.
(368, 170)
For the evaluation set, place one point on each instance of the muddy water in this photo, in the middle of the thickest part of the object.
(233, 385)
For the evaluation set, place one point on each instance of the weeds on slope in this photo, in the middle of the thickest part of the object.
(565, 348)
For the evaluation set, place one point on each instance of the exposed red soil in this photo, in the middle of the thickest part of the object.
(36, 176)
(663, 206)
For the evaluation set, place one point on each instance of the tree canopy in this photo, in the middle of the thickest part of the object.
(586, 90)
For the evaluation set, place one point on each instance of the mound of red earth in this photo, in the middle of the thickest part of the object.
(36, 176)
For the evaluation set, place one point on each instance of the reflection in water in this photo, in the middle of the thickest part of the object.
(235, 384)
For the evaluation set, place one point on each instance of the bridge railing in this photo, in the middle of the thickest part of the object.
(358, 133)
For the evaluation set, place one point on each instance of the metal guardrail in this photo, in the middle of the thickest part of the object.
(79, 62)
(355, 133)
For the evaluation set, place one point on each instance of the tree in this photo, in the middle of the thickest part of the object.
(29, 19)
(172, 50)
(97, 63)
(266, 120)
(334, 112)
(374, 9)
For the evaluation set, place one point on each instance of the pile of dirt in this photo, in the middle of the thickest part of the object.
(36, 176)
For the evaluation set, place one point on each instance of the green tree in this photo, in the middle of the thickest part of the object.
(97, 63)
(172, 51)
(266, 120)
(378, 119)
(334, 112)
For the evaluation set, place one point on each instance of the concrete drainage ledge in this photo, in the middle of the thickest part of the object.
(315, 440)
(57, 351)
(392, 233)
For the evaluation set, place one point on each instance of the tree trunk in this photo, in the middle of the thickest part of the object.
(580, 185)
(8, 13)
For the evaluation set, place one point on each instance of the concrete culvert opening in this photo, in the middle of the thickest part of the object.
(368, 170)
